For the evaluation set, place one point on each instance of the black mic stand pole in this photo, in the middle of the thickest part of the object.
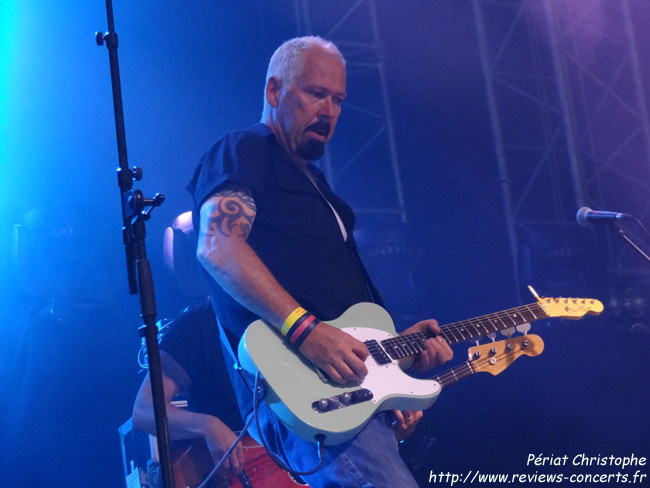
(621, 233)
(136, 209)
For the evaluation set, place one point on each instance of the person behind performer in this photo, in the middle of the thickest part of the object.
(278, 244)
(193, 366)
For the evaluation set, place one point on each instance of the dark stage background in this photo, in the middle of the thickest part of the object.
(194, 70)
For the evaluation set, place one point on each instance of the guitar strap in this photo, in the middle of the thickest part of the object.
(247, 378)
(344, 232)
(375, 296)
(226, 343)
(373, 293)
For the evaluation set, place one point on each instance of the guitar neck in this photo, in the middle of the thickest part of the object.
(411, 344)
(455, 374)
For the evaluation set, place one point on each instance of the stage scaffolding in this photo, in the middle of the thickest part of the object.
(567, 96)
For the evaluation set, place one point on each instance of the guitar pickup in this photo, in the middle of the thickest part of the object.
(343, 400)
(377, 352)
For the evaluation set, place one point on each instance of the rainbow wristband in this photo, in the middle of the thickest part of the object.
(302, 329)
(290, 321)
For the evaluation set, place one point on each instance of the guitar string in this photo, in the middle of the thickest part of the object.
(409, 345)
(416, 340)
(490, 319)
(451, 376)
(480, 363)
(536, 311)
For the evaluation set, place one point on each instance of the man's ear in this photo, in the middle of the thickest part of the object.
(273, 91)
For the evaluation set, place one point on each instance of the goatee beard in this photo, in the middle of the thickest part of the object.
(311, 149)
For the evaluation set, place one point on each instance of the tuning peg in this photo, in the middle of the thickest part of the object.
(508, 332)
(492, 336)
(523, 328)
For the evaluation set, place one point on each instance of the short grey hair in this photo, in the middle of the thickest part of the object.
(286, 61)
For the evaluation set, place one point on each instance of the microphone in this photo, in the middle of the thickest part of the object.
(586, 216)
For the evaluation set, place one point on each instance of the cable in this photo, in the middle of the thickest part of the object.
(225, 456)
(642, 226)
(320, 438)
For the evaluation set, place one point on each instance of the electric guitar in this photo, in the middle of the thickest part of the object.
(309, 403)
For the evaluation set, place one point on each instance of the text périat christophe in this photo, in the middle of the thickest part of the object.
(584, 460)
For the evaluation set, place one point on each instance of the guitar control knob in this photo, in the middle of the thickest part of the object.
(323, 404)
(345, 398)
(493, 351)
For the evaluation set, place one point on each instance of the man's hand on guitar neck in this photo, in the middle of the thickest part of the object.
(436, 350)
(337, 353)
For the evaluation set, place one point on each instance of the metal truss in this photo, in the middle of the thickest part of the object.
(568, 111)
(606, 106)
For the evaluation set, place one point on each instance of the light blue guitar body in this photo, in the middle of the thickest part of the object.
(308, 403)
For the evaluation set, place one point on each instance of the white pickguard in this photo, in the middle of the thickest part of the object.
(389, 379)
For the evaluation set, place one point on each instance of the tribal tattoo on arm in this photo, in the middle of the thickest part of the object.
(232, 213)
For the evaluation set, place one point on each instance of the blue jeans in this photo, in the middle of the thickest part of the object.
(370, 460)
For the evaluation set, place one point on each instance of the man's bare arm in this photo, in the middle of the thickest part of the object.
(185, 424)
(226, 221)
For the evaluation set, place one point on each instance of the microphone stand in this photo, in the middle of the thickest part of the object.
(621, 233)
(136, 209)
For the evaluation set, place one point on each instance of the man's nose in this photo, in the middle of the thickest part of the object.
(327, 107)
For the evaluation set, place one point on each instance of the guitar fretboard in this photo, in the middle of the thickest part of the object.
(411, 344)
(455, 374)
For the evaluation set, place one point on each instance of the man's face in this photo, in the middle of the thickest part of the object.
(308, 110)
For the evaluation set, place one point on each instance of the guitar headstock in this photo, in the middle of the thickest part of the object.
(570, 308)
(494, 357)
